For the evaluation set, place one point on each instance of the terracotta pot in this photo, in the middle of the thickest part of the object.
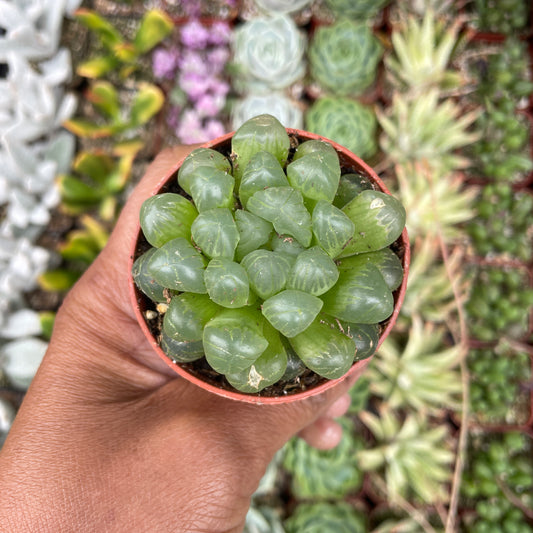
(349, 163)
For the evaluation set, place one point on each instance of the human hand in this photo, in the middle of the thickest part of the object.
(109, 439)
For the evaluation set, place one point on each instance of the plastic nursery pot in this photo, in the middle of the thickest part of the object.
(199, 372)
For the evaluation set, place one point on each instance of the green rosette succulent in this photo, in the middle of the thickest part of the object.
(322, 517)
(343, 58)
(268, 263)
(346, 122)
(356, 9)
(324, 474)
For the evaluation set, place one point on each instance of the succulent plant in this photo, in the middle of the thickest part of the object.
(500, 303)
(356, 9)
(121, 55)
(260, 263)
(423, 49)
(498, 385)
(420, 372)
(101, 178)
(508, 16)
(428, 129)
(324, 474)
(343, 58)
(281, 6)
(503, 224)
(268, 53)
(322, 517)
(146, 102)
(498, 482)
(437, 202)
(263, 519)
(413, 458)
(346, 122)
(502, 152)
(287, 111)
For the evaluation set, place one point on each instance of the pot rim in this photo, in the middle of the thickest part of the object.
(357, 367)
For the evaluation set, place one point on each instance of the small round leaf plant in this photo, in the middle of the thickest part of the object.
(267, 267)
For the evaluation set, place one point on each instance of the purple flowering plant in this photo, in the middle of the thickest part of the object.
(195, 65)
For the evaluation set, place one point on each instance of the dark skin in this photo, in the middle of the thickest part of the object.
(108, 438)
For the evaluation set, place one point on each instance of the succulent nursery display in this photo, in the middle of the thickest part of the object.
(434, 96)
(279, 264)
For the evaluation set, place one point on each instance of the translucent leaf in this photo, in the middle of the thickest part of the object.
(313, 272)
(331, 227)
(291, 311)
(253, 231)
(365, 337)
(360, 295)
(285, 244)
(155, 26)
(324, 348)
(187, 315)
(284, 207)
(233, 340)
(267, 272)
(181, 351)
(266, 370)
(146, 104)
(201, 157)
(144, 280)
(316, 175)
(261, 133)
(165, 217)
(350, 185)
(386, 261)
(211, 188)
(227, 283)
(215, 232)
(178, 265)
(262, 171)
(379, 220)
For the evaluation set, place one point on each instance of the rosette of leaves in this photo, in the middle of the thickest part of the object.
(324, 474)
(412, 458)
(423, 48)
(508, 16)
(275, 264)
(419, 372)
(356, 9)
(498, 482)
(346, 122)
(268, 53)
(426, 128)
(281, 6)
(322, 517)
(118, 53)
(503, 224)
(343, 58)
(500, 303)
(499, 385)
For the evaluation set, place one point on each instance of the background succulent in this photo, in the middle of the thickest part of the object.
(343, 58)
(339, 517)
(345, 121)
(356, 9)
(254, 275)
(269, 53)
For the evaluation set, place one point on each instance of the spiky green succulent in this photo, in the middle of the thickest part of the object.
(346, 122)
(324, 474)
(260, 267)
(323, 517)
(411, 457)
(343, 58)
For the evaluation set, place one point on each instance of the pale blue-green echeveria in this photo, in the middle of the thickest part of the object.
(344, 57)
(287, 111)
(345, 121)
(269, 53)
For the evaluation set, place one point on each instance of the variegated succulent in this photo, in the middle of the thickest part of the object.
(343, 58)
(346, 122)
(269, 260)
